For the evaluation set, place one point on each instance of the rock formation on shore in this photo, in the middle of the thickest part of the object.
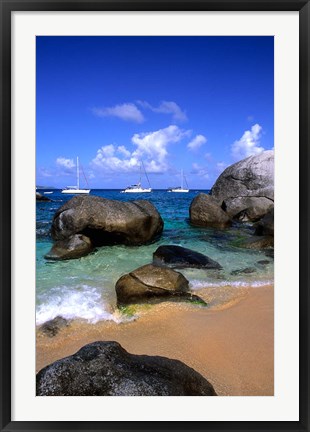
(243, 192)
(106, 369)
(246, 188)
(103, 222)
(153, 283)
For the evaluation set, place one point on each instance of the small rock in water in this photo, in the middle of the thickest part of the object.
(151, 283)
(269, 253)
(263, 262)
(247, 270)
(52, 327)
(263, 242)
(40, 197)
(180, 257)
(106, 369)
(74, 247)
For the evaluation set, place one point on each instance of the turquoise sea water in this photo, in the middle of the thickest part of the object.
(84, 288)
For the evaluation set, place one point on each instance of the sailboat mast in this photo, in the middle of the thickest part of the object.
(181, 179)
(147, 177)
(77, 173)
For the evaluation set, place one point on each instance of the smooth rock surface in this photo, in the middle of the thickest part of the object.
(74, 247)
(107, 222)
(180, 257)
(250, 177)
(206, 211)
(247, 209)
(106, 369)
(153, 283)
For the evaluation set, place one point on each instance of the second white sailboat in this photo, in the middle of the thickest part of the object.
(180, 188)
(74, 190)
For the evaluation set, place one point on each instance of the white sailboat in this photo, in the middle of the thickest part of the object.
(137, 188)
(74, 190)
(180, 188)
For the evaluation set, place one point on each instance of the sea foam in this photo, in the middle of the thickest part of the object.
(83, 302)
(199, 284)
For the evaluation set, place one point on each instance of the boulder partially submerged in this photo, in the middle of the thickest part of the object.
(106, 369)
(103, 222)
(180, 257)
(206, 211)
(151, 283)
(74, 247)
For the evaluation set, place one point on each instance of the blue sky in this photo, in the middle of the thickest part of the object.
(192, 103)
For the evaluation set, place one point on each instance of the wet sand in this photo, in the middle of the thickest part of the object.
(231, 344)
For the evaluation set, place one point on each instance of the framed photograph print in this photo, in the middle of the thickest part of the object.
(154, 215)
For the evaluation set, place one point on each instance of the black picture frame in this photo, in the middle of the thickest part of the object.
(6, 8)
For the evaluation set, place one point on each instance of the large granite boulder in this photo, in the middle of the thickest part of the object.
(74, 247)
(250, 177)
(206, 211)
(180, 257)
(106, 369)
(107, 222)
(153, 283)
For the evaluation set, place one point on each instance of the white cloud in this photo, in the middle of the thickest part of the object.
(111, 162)
(166, 107)
(126, 111)
(65, 163)
(248, 144)
(123, 151)
(151, 148)
(197, 142)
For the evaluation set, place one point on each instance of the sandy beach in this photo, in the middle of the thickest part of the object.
(231, 344)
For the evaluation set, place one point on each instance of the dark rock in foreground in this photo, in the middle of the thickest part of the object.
(106, 369)
(52, 327)
(250, 177)
(74, 247)
(153, 283)
(180, 257)
(103, 222)
(206, 211)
